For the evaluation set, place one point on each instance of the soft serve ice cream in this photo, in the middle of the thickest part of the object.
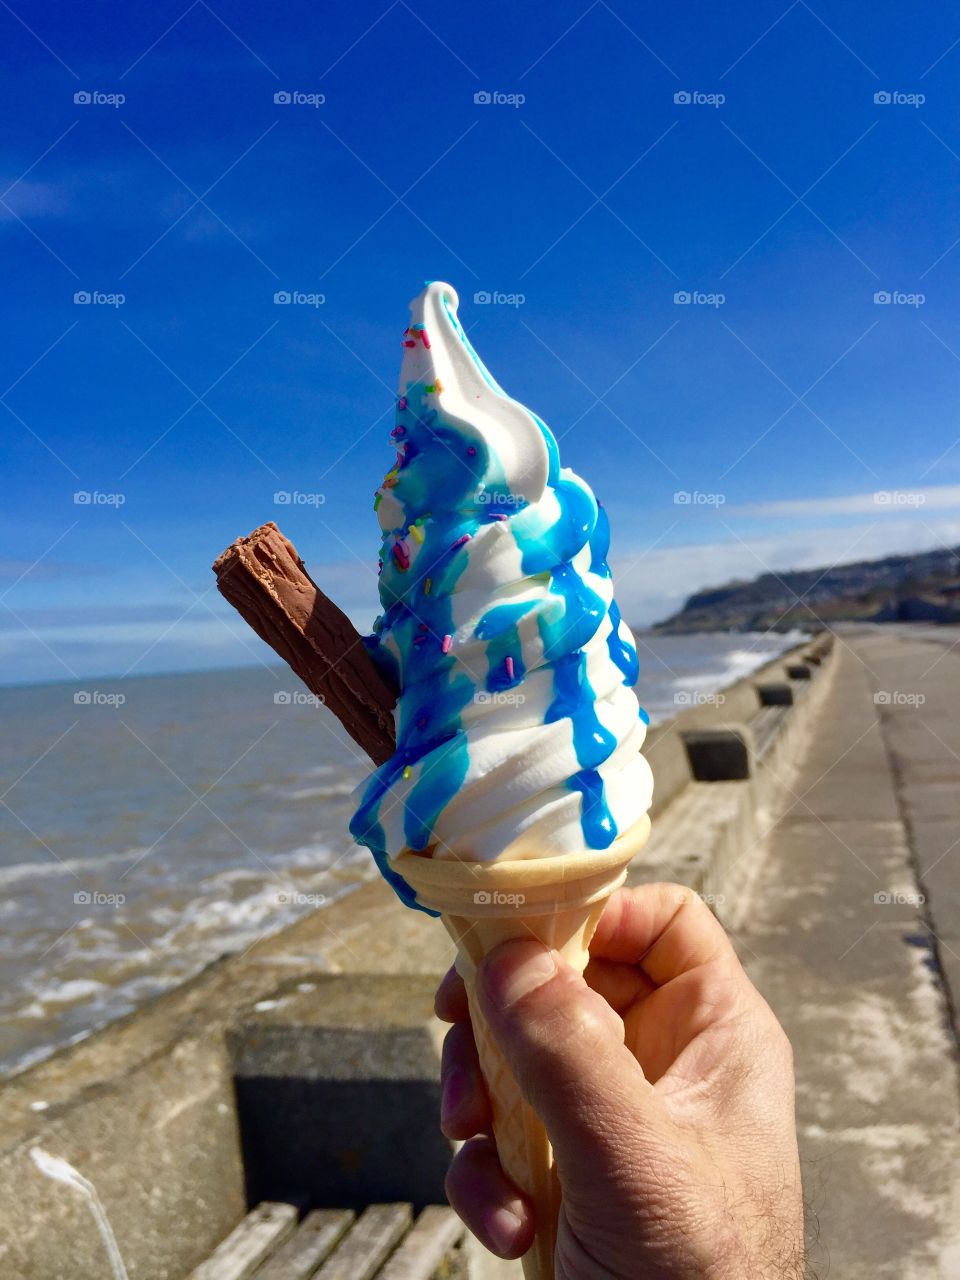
(518, 732)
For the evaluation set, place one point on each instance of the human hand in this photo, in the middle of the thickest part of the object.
(666, 1086)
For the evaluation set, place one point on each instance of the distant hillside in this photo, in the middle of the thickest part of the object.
(922, 587)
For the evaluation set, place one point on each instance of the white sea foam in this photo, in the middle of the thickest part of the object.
(70, 992)
(314, 793)
(738, 663)
(31, 871)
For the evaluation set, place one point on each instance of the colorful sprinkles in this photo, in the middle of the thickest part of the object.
(402, 556)
(411, 335)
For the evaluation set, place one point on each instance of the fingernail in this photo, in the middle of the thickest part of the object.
(503, 1226)
(509, 978)
(456, 1088)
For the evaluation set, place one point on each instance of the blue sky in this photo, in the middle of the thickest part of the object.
(780, 186)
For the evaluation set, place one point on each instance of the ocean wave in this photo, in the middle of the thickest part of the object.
(87, 868)
(738, 663)
(72, 991)
(316, 793)
(66, 866)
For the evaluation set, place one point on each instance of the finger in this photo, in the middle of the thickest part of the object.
(488, 1203)
(621, 985)
(450, 1002)
(660, 1028)
(659, 1022)
(566, 1048)
(665, 928)
(464, 1103)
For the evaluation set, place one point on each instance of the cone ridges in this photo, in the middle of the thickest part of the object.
(557, 901)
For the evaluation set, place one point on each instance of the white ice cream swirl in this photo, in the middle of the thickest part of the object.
(518, 732)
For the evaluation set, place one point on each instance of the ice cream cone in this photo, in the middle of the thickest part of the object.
(557, 900)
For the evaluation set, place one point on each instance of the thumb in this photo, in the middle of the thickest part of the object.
(565, 1046)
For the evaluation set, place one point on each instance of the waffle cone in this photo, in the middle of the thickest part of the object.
(557, 901)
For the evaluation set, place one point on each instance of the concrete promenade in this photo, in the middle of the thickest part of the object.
(864, 975)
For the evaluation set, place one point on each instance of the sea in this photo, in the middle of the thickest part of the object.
(152, 824)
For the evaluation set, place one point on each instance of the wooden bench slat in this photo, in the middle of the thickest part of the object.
(312, 1243)
(435, 1233)
(368, 1244)
(253, 1240)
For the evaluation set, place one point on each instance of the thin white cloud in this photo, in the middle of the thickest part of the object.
(651, 586)
(29, 199)
(882, 502)
(50, 643)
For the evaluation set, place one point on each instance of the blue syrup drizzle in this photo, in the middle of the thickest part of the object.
(501, 630)
(599, 829)
(437, 463)
(622, 654)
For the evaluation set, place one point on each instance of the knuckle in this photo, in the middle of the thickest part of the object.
(578, 1021)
